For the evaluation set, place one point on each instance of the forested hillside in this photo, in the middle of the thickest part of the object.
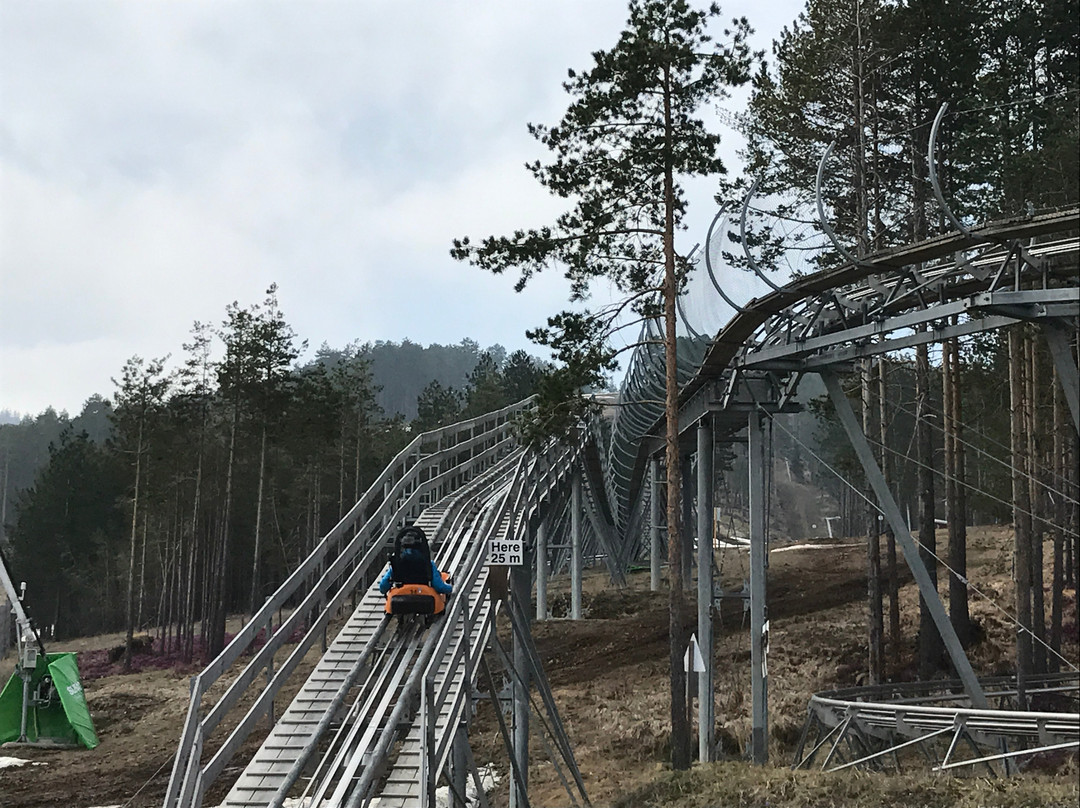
(202, 479)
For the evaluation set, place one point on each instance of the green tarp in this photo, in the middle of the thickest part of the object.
(64, 720)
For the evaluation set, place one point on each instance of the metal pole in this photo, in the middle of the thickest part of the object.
(520, 581)
(903, 538)
(24, 674)
(541, 570)
(459, 766)
(687, 520)
(759, 683)
(575, 548)
(655, 548)
(706, 708)
(1058, 336)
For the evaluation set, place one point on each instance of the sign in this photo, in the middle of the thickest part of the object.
(506, 552)
(764, 649)
(695, 649)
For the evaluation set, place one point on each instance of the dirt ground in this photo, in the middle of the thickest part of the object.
(608, 673)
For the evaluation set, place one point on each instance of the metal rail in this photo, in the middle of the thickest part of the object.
(870, 726)
(433, 466)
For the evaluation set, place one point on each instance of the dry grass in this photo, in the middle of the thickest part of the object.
(609, 674)
(736, 785)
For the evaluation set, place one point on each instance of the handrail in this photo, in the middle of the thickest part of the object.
(907, 714)
(398, 488)
(433, 702)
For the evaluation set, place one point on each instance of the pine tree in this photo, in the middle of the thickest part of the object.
(139, 399)
(631, 134)
(436, 406)
(484, 391)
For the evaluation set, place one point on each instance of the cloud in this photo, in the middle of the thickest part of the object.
(160, 160)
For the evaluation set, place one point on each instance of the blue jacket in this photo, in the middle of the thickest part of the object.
(437, 583)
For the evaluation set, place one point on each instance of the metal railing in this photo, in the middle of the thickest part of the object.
(433, 464)
(869, 726)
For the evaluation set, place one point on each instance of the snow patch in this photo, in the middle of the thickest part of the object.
(12, 762)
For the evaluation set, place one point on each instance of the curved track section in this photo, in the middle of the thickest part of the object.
(878, 727)
(971, 281)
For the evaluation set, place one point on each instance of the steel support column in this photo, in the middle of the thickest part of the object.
(459, 766)
(541, 570)
(903, 538)
(706, 708)
(520, 583)
(1059, 337)
(575, 547)
(759, 683)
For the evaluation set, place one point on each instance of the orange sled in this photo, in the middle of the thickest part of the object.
(415, 599)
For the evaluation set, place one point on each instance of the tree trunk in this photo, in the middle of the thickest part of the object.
(1035, 498)
(677, 607)
(142, 561)
(1021, 512)
(875, 626)
(129, 618)
(1061, 485)
(255, 599)
(221, 568)
(862, 208)
(341, 470)
(931, 648)
(955, 498)
(188, 648)
(892, 575)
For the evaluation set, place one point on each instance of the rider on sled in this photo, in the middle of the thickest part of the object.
(413, 583)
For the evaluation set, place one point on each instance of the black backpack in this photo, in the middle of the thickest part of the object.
(415, 569)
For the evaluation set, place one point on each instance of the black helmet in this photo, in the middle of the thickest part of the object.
(411, 537)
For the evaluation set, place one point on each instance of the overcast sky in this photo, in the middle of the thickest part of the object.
(159, 160)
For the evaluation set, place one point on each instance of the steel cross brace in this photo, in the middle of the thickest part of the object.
(903, 538)
(1059, 337)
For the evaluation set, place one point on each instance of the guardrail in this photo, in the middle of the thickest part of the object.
(878, 722)
(432, 465)
(471, 624)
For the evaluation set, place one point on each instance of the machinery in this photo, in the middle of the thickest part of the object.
(43, 703)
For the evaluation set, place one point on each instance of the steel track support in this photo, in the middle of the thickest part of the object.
(903, 537)
(543, 687)
(759, 682)
(655, 548)
(706, 707)
(459, 766)
(478, 782)
(575, 547)
(1059, 337)
(520, 585)
(493, 694)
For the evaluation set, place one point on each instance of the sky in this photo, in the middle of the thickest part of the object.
(161, 159)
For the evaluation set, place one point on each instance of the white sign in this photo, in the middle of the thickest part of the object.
(695, 649)
(764, 649)
(506, 552)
